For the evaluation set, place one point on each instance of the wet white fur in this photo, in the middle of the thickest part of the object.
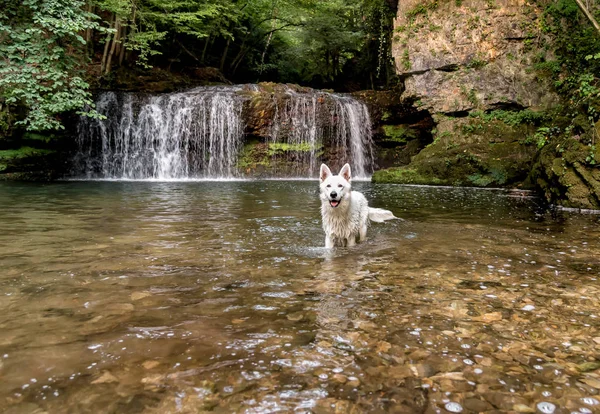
(349, 220)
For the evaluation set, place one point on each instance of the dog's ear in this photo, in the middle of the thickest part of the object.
(345, 172)
(325, 172)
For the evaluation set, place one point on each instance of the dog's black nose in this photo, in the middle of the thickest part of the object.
(333, 194)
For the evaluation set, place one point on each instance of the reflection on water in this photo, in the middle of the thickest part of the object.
(185, 297)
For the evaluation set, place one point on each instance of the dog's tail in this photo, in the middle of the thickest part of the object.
(380, 215)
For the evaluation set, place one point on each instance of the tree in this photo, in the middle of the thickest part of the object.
(41, 59)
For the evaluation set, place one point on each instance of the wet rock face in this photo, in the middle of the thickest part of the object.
(457, 56)
(400, 128)
(566, 177)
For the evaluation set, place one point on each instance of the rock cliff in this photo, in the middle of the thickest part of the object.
(471, 64)
(458, 56)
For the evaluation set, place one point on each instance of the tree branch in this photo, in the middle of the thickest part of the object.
(283, 27)
(588, 14)
(187, 51)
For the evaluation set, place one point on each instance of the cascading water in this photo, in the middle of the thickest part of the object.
(200, 133)
(193, 134)
(308, 122)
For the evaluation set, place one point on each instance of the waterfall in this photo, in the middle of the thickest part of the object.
(193, 134)
(309, 121)
(200, 133)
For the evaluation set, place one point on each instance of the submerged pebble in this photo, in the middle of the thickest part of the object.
(590, 401)
(546, 407)
(453, 407)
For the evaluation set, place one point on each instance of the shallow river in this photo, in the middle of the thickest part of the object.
(192, 297)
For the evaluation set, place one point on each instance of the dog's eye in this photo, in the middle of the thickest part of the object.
(328, 185)
(340, 186)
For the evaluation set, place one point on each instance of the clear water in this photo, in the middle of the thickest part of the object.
(184, 297)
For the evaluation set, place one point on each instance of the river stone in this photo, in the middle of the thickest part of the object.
(139, 295)
(25, 408)
(503, 400)
(150, 364)
(477, 405)
(419, 354)
(106, 377)
(423, 370)
(522, 408)
(295, 317)
(342, 379)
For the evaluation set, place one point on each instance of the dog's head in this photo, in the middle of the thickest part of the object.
(335, 188)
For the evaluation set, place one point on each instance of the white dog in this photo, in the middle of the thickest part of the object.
(345, 213)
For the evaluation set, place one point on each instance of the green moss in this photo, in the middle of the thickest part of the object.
(404, 176)
(282, 147)
(253, 155)
(23, 152)
(398, 134)
(480, 180)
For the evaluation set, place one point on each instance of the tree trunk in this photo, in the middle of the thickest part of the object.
(588, 14)
(239, 55)
(106, 45)
(118, 38)
(88, 31)
(205, 49)
(222, 65)
(114, 44)
(239, 61)
(122, 45)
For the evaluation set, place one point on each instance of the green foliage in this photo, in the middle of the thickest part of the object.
(543, 135)
(406, 60)
(575, 69)
(591, 158)
(476, 63)
(145, 44)
(50, 50)
(41, 59)
(421, 9)
(512, 118)
(326, 41)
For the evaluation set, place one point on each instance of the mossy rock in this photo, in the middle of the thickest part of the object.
(396, 135)
(564, 175)
(26, 160)
(254, 157)
(469, 152)
(283, 147)
(403, 175)
(23, 153)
